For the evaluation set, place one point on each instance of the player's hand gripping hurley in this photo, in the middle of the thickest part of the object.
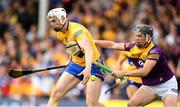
(106, 69)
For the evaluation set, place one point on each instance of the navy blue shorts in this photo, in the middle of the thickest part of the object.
(134, 83)
(75, 69)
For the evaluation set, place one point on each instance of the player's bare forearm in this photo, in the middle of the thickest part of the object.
(88, 57)
(135, 73)
(109, 44)
(85, 45)
(141, 72)
(104, 43)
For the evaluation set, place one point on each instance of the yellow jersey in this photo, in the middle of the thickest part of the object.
(74, 33)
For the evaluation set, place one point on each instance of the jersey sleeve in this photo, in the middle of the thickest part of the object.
(78, 33)
(154, 54)
(128, 46)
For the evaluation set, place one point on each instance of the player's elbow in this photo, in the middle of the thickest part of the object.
(144, 72)
(88, 50)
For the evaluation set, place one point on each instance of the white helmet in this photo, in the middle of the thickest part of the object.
(57, 12)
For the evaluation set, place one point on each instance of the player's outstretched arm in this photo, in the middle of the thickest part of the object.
(110, 44)
(141, 72)
(84, 43)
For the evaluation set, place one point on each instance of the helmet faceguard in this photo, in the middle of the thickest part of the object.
(146, 31)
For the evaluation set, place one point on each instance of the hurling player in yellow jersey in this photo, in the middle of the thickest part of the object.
(80, 45)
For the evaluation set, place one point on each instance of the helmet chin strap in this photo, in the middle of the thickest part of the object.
(58, 29)
(148, 41)
(63, 21)
(63, 25)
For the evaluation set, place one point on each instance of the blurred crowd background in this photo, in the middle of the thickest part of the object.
(21, 47)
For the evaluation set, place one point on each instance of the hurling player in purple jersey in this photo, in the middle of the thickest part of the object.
(158, 79)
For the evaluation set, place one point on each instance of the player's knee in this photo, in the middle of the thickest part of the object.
(56, 95)
(91, 103)
(132, 103)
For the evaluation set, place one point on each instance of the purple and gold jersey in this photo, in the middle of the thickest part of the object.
(161, 71)
(128, 64)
